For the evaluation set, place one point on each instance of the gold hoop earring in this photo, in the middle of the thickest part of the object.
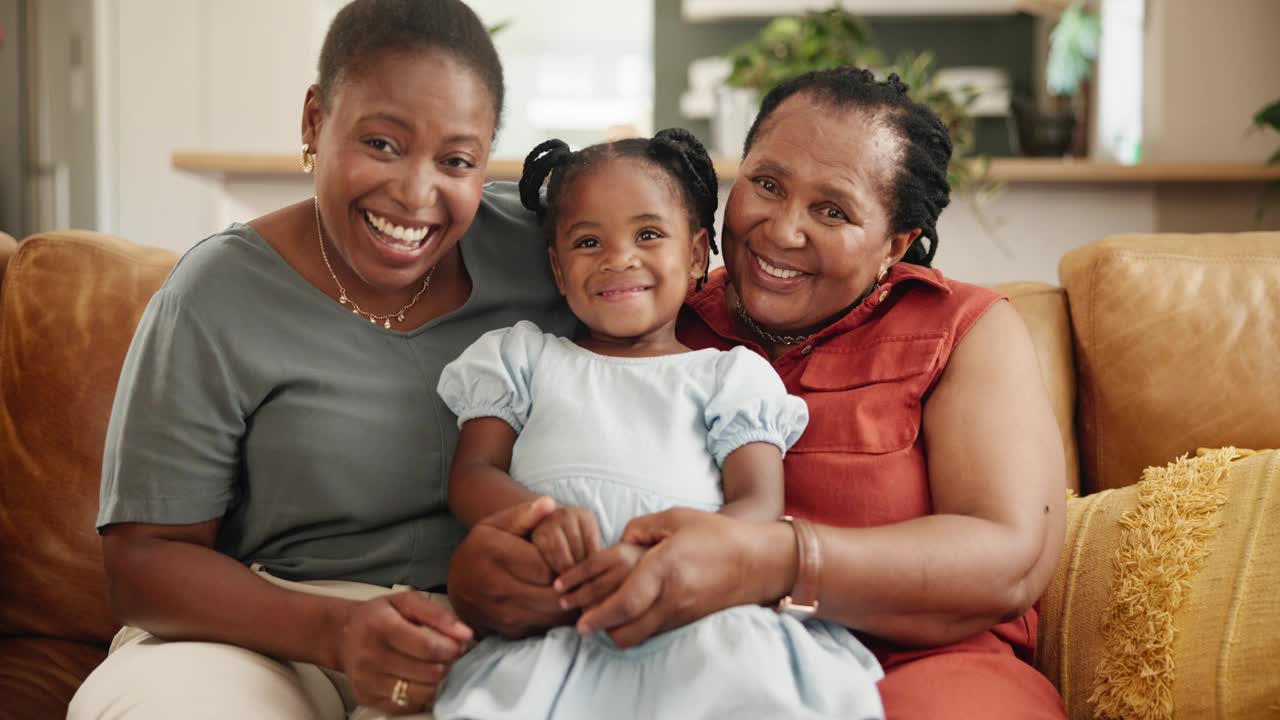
(308, 161)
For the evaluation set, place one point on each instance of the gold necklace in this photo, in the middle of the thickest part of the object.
(355, 307)
(782, 339)
(765, 334)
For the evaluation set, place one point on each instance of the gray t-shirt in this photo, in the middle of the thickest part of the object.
(248, 394)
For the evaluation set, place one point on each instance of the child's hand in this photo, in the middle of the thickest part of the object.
(587, 583)
(566, 537)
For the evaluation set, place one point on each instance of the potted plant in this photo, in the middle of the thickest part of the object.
(1269, 117)
(1063, 128)
(820, 40)
(791, 46)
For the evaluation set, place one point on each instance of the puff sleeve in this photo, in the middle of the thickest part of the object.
(750, 404)
(491, 378)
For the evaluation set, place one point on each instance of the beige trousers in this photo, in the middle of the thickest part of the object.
(145, 677)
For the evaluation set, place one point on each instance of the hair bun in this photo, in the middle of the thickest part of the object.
(895, 83)
(694, 166)
(679, 136)
(693, 152)
(538, 164)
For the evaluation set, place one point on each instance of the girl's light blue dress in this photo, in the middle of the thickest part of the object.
(627, 437)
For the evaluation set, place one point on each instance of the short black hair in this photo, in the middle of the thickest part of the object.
(364, 29)
(919, 190)
(675, 151)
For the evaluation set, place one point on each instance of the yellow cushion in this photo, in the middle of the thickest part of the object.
(1166, 603)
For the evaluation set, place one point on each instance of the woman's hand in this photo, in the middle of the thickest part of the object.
(599, 576)
(566, 537)
(406, 637)
(699, 563)
(498, 580)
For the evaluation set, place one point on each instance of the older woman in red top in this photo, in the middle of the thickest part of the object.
(927, 492)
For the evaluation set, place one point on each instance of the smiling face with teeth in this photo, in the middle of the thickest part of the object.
(624, 255)
(401, 148)
(807, 225)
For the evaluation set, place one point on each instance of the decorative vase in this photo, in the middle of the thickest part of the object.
(735, 110)
(1040, 133)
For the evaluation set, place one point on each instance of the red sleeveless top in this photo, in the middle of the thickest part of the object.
(861, 461)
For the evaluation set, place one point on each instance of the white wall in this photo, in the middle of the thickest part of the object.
(230, 75)
(193, 74)
(1211, 67)
(1022, 233)
(572, 68)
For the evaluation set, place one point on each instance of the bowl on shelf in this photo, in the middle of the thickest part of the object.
(1035, 132)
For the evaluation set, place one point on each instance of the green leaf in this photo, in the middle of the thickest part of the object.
(920, 68)
(781, 30)
(812, 47)
(1268, 116)
(872, 58)
(1073, 46)
(791, 46)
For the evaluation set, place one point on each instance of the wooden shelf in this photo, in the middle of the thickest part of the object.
(271, 165)
(712, 10)
(1009, 170)
(1066, 170)
(1054, 170)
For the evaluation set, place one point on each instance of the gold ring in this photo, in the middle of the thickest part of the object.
(400, 693)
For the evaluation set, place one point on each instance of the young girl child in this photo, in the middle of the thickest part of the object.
(625, 421)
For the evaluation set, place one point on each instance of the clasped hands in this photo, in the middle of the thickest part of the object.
(516, 576)
(569, 541)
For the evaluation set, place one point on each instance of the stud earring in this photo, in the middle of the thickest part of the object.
(308, 161)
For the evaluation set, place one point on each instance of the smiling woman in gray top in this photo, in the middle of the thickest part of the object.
(276, 420)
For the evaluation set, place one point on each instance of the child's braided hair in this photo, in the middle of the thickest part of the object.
(675, 150)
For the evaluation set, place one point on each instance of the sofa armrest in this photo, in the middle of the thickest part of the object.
(7, 247)
(71, 303)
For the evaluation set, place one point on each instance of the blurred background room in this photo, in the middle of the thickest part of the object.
(163, 120)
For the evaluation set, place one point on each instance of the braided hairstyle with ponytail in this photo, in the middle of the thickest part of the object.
(675, 151)
(918, 190)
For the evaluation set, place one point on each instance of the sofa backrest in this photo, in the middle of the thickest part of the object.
(69, 304)
(1177, 342)
(1171, 341)
(1044, 310)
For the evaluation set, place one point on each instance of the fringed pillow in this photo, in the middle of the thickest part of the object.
(1166, 602)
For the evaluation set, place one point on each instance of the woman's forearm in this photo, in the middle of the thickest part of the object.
(183, 591)
(923, 582)
(756, 508)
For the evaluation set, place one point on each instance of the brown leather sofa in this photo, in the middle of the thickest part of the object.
(1153, 347)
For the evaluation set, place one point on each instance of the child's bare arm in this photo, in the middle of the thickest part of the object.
(753, 482)
(480, 484)
(479, 479)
